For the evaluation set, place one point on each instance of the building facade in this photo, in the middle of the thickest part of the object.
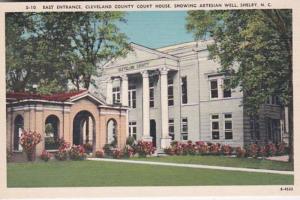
(79, 118)
(177, 93)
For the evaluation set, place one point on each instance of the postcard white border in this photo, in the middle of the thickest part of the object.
(186, 191)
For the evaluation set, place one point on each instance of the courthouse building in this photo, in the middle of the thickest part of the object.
(158, 95)
(177, 93)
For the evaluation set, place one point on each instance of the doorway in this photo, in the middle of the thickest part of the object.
(153, 131)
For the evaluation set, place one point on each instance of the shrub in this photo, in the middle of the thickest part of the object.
(77, 152)
(281, 149)
(262, 152)
(226, 150)
(189, 148)
(117, 153)
(240, 152)
(62, 153)
(88, 147)
(128, 151)
(202, 147)
(253, 150)
(130, 141)
(29, 140)
(99, 154)
(169, 151)
(144, 148)
(271, 149)
(45, 156)
(214, 149)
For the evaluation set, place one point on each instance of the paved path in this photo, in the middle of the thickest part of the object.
(194, 166)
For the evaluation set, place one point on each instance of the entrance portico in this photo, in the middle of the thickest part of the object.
(154, 64)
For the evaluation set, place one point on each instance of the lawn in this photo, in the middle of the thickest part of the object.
(224, 161)
(100, 173)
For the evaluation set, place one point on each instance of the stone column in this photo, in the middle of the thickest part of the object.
(146, 109)
(109, 91)
(165, 138)
(124, 90)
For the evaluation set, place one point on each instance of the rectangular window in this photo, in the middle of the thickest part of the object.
(170, 91)
(151, 93)
(171, 128)
(215, 130)
(226, 92)
(132, 129)
(116, 95)
(214, 89)
(184, 128)
(228, 126)
(184, 95)
(132, 96)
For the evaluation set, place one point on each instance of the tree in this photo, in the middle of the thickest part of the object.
(85, 41)
(28, 58)
(52, 49)
(254, 48)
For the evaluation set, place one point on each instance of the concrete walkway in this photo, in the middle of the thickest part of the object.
(194, 166)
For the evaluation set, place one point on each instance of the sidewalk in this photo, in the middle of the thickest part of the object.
(194, 166)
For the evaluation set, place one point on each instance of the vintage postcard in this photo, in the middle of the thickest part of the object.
(149, 98)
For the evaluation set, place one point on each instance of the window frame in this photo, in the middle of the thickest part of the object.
(171, 125)
(228, 119)
(131, 126)
(184, 133)
(212, 120)
(116, 93)
(184, 95)
(170, 86)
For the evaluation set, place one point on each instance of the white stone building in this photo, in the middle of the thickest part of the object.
(176, 93)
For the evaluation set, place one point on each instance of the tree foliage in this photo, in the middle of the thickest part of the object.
(259, 42)
(254, 48)
(52, 49)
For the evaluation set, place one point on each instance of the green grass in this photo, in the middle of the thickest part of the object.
(100, 173)
(224, 161)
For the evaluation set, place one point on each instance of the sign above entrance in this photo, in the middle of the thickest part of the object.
(133, 67)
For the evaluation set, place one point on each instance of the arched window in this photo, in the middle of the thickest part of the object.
(52, 132)
(19, 126)
(112, 136)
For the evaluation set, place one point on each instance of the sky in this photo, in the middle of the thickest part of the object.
(156, 29)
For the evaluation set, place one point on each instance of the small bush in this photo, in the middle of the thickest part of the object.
(77, 152)
(88, 147)
(62, 153)
(117, 153)
(144, 148)
(253, 150)
(240, 152)
(29, 140)
(45, 156)
(215, 149)
(130, 141)
(128, 151)
(226, 150)
(281, 149)
(169, 151)
(99, 154)
(271, 149)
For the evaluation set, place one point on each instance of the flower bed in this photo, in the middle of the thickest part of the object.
(203, 148)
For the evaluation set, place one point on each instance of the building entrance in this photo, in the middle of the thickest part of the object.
(153, 131)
